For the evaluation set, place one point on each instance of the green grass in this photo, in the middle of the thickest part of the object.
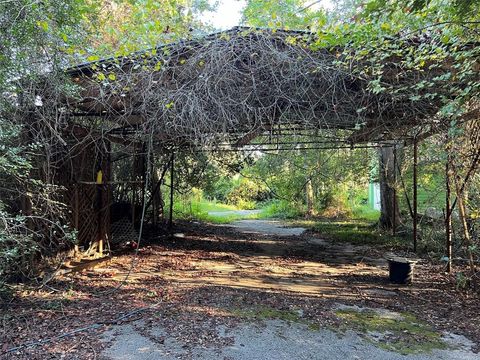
(365, 212)
(281, 209)
(206, 206)
(359, 232)
(227, 219)
(199, 210)
(356, 232)
(360, 229)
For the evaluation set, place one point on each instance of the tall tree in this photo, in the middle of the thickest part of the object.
(390, 213)
(283, 14)
(124, 26)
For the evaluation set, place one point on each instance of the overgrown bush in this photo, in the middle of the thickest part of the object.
(220, 189)
(17, 250)
(283, 209)
(339, 200)
(25, 242)
(33, 217)
(246, 194)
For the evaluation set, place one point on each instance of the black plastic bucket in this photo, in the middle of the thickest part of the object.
(400, 271)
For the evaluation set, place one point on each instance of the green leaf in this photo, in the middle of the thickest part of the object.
(43, 25)
(93, 58)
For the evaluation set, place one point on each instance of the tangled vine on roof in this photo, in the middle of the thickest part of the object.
(245, 82)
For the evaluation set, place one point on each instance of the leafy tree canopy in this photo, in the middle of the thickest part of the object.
(285, 14)
(124, 26)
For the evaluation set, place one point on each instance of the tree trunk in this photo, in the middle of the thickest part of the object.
(390, 214)
(462, 213)
(309, 198)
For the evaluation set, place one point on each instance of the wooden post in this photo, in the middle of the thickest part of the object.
(415, 194)
(448, 211)
(172, 170)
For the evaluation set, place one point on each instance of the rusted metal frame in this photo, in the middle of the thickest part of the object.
(76, 214)
(172, 177)
(103, 200)
(137, 183)
(109, 182)
(134, 199)
(468, 116)
(394, 197)
(415, 194)
(448, 208)
(152, 185)
(145, 159)
(293, 149)
(109, 196)
(98, 209)
(134, 185)
(158, 184)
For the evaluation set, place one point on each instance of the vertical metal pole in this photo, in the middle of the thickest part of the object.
(152, 191)
(394, 218)
(415, 205)
(448, 211)
(145, 168)
(172, 170)
(99, 206)
(134, 200)
(134, 185)
(76, 217)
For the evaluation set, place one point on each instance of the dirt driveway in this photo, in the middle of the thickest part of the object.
(252, 290)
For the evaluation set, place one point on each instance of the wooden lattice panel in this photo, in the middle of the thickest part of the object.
(87, 215)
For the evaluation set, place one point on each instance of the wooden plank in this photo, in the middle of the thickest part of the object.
(81, 265)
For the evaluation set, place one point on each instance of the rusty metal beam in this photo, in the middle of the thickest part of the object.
(415, 194)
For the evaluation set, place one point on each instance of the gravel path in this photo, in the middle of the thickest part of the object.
(273, 339)
(227, 213)
(267, 227)
(260, 339)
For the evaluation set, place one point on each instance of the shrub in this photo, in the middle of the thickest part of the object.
(283, 209)
(26, 245)
(17, 254)
(220, 189)
(245, 194)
